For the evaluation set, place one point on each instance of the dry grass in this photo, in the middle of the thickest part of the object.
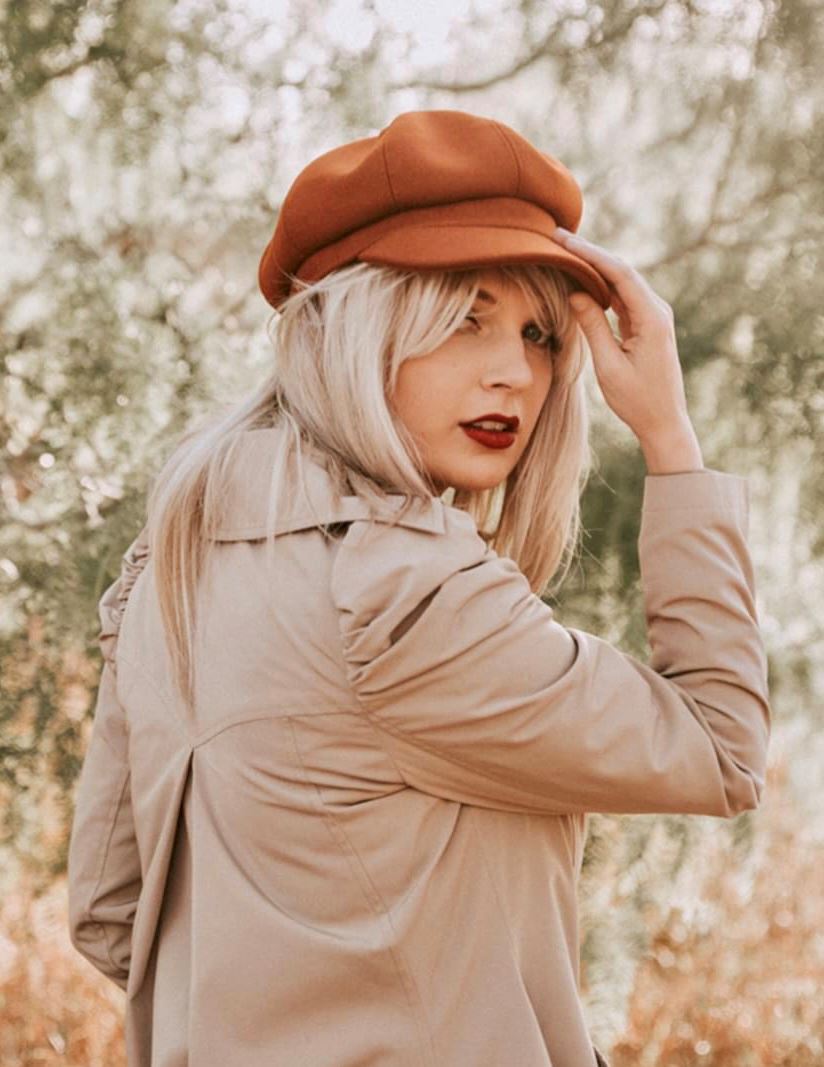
(746, 990)
(54, 1007)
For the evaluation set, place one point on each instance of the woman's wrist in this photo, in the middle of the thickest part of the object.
(672, 451)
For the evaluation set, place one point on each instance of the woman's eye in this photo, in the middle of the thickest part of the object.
(536, 335)
(532, 332)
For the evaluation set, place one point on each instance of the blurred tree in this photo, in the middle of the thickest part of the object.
(145, 148)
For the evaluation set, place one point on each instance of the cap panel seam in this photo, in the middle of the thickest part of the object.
(514, 155)
(388, 176)
(461, 225)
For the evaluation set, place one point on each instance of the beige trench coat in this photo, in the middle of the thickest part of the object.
(362, 850)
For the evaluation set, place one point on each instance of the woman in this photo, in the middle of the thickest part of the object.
(333, 809)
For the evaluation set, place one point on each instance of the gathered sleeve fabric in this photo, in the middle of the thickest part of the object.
(481, 696)
(104, 872)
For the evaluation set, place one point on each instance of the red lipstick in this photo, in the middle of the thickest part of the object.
(499, 435)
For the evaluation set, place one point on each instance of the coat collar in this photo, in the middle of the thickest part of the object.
(252, 465)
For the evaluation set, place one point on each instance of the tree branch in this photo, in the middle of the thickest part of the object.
(543, 49)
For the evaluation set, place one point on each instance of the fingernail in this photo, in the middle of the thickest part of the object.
(568, 237)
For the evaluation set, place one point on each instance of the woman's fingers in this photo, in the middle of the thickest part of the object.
(596, 327)
(620, 309)
(639, 372)
(637, 297)
(616, 270)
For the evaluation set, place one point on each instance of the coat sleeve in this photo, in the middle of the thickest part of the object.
(481, 696)
(104, 871)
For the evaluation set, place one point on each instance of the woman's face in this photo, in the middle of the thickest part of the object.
(499, 364)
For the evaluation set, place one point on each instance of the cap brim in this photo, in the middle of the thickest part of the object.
(463, 247)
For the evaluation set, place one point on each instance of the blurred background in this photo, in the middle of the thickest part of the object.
(146, 146)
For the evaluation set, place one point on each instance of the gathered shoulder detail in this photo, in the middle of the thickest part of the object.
(113, 602)
(384, 577)
(481, 696)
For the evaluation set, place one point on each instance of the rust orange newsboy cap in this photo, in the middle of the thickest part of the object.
(434, 189)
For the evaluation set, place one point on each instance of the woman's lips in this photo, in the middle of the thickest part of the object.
(490, 438)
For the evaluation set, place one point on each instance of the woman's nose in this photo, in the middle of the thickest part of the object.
(506, 363)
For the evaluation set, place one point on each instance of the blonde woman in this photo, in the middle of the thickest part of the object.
(334, 805)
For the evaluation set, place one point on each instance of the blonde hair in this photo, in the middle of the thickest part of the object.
(339, 344)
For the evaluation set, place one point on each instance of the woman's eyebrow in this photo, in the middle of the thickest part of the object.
(487, 298)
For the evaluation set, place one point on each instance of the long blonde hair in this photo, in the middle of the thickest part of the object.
(338, 345)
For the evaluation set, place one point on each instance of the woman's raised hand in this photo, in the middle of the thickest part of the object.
(639, 372)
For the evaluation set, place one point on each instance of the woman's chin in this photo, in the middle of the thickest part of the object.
(468, 481)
